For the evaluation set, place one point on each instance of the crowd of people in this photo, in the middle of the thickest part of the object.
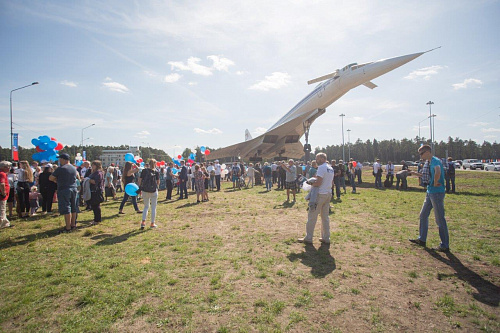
(29, 187)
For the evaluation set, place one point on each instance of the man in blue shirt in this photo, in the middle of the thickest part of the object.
(434, 199)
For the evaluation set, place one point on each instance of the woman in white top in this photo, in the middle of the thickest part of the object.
(24, 178)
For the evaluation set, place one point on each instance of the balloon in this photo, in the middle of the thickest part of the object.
(354, 163)
(303, 168)
(44, 139)
(179, 157)
(223, 166)
(131, 189)
(202, 149)
(53, 139)
(35, 142)
(79, 162)
(129, 157)
(162, 163)
(140, 160)
(191, 156)
(174, 171)
(38, 149)
(177, 163)
(190, 161)
(207, 152)
(158, 164)
(59, 146)
(142, 164)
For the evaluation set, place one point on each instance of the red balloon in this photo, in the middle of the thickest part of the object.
(354, 164)
(59, 146)
(139, 160)
(53, 139)
(162, 163)
(38, 149)
(158, 164)
(207, 152)
(190, 161)
(179, 157)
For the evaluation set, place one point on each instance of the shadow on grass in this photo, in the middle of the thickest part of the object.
(108, 239)
(285, 204)
(488, 293)
(320, 260)
(187, 205)
(475, 194)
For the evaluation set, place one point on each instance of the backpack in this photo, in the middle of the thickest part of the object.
(149, 180)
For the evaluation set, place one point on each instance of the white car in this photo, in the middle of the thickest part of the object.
(495, 166)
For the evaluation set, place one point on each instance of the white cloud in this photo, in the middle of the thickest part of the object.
(192, 83)
(220, 63)
(69, 84)
(490, 130)
(468, 83)
(211, 131)
(259, 130)
(192, 65)
(241, 72)
(479, 124)
(357, 119)
(490, 136)
(170, 78)
(114, 86)
(142, 134)
(276, 80)
(425, 72)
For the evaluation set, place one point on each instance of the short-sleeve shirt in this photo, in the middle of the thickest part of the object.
(435, 162)
(235, 170)
(66, 177)
(217, 169)
(291, 173)
(325, 171)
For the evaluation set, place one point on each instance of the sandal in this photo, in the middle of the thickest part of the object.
(153, 226)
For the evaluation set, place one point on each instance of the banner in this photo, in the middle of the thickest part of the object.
(15, 147)
(84, 155)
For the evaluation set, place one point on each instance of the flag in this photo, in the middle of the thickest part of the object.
(15, 147)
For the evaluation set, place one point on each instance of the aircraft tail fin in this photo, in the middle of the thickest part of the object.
(247, 135)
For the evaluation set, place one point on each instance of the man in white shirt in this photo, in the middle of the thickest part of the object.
(377, 173)
(218, 170)
(324, 180)
(291, 179)
(389, 168)
(274, 169)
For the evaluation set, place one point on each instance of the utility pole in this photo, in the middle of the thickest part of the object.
(430, 124)
(343, 148)
(349, 142)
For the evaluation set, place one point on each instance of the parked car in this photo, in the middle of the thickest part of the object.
(495, 166)
(410, 163)
(457, 164)
(472, 164)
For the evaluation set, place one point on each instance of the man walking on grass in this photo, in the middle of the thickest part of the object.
(319, 202)
(434, 199)
(290, 180)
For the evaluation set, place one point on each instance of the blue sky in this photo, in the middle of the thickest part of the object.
(176, 74)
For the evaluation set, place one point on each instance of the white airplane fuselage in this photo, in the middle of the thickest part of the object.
(288, 130)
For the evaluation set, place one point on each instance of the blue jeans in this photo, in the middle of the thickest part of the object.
(378, 181)
(66, 200)
(125, 199)
(353, 182)
(269, 183)
(436, 201)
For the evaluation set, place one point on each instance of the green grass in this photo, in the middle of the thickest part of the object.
(233, 265)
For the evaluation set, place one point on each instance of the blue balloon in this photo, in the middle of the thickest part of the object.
(35, 142)
(192, 157)
(174, 171)
(129, 157)
(142, 164)
(44, 139)
(176, 162)
(131, 189)
(303, 168)
(202, 149)
(78, 163)
(51, 144)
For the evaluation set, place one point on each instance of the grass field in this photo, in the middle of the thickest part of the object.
(233, 265)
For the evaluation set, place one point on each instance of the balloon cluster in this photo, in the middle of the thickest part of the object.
(204, 151)
(160, 164)
(129, 157)
(46, 148)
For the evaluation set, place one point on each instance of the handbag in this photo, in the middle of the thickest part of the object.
(96, 197)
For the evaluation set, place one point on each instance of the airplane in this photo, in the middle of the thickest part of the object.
(282, 139)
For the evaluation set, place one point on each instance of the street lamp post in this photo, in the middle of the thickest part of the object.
(343, 149)
(349, 142)
(82, 132)
(11, 134)
(430, 124)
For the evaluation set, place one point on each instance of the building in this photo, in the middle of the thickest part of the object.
(117, 156)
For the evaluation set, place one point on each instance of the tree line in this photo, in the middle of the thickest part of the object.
(406, 149)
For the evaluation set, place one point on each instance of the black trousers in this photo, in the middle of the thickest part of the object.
(170, 187)
(48, 197)
(97, 212)
(23, 195)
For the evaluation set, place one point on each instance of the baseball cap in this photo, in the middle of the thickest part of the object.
(64, 156)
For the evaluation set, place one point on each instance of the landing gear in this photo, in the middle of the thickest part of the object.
(307, 146)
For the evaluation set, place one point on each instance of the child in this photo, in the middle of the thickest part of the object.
(34, 197)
